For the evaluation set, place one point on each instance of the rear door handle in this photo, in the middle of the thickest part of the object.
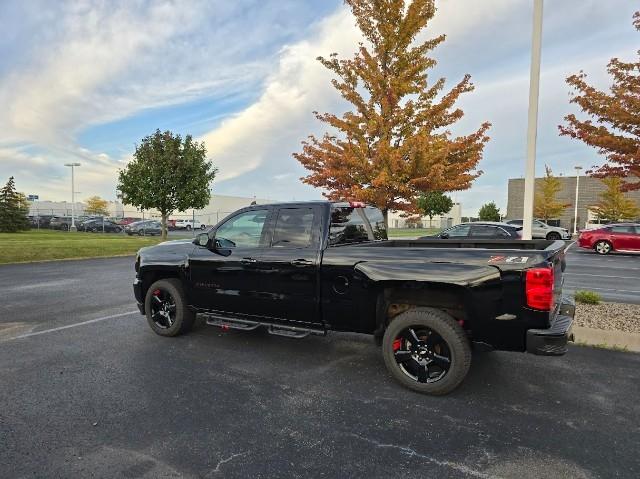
(301, 262)
(248, 260)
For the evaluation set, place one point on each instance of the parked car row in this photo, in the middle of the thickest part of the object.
(131, 225)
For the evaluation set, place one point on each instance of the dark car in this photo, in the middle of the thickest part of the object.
(127, 220)
(43, 221)
(312, 267)
(480, 230)
(622, 237)
(99, 226)
(61, 223)
(144, 228)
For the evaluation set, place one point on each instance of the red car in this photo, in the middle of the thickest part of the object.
(623, 237)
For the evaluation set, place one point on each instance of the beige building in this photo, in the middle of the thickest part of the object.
(453, 217)
(589, 191)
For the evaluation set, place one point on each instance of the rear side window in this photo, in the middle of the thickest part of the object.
(293, 228)
(623, 229)
(485, 231)
(356, 225)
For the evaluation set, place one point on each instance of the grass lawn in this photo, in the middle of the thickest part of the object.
(46, 245)
(411, 232)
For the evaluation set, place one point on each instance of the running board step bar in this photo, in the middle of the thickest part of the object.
(287, 331)
(232, 323)
(293, 331)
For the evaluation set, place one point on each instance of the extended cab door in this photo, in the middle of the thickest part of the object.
(226, 278)
(290, 266)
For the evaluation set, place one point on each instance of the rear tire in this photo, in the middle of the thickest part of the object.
(603, 247)
(450, 342)
(174, 320)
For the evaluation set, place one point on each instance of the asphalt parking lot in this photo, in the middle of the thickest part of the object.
(616, 276)
(87, 390)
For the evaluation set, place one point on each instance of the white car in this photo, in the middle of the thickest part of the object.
(189, 225)
(542, 230)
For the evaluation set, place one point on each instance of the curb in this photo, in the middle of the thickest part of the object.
(607, 338)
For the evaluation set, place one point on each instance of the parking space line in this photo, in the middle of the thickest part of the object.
(53, 330)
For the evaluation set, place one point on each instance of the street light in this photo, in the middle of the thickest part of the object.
(575, 210)
(73, 195)
(532, 129)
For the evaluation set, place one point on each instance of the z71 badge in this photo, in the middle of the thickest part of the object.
(509, 259)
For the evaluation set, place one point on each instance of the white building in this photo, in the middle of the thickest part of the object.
(219, 207)
(453, 217)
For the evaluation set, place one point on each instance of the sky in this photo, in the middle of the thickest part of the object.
(86, 80)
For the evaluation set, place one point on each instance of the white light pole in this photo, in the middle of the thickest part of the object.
(575, 209)
(534, 89)
(73, 195)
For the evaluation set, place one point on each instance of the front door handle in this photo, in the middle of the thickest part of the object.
(248, 260)
(301, 262)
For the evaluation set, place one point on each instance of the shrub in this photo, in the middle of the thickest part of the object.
(587, 297)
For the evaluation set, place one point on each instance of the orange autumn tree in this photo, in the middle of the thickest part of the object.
(395, 144)
(614, 124)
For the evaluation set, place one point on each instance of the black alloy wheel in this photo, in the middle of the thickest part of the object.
(422, 354)
(166, 308)
(427, 350)
(163, 308)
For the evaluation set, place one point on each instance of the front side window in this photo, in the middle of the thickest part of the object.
(243, 230)
(294, 228)
(461, 231)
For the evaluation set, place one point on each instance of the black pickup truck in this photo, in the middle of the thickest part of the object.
(312, 267)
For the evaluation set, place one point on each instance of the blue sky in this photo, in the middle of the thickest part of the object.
(85, 80)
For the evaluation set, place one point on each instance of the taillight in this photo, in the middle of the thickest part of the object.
(539, 288)
(357, 204)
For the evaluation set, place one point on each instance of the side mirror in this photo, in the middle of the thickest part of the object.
(202, 240)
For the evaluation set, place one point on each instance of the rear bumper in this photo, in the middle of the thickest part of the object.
(137, 292)
(553, 341)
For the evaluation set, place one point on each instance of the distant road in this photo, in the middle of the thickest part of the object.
(616, 277)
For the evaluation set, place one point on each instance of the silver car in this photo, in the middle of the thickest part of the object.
(542, 230)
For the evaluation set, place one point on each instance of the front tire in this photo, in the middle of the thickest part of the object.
(603, 247)
(166, 308)
(426, 350)
(188, 228)
(553, 236)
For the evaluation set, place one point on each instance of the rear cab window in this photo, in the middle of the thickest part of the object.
(356, 224)
(294, 228)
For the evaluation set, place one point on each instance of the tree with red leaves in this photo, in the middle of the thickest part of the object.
(614, 124)
(395, 144)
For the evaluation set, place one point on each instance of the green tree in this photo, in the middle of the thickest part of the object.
(96, 206)
(613, 204)
(14, 209)
(434, 203)
(489, 212)
(396, 141)
(167, 173)
(545, 203)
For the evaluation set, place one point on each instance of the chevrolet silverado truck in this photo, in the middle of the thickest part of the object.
(313, 267)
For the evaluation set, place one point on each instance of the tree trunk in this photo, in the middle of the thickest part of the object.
(164, 226)
(385, 215)
(430, 222)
